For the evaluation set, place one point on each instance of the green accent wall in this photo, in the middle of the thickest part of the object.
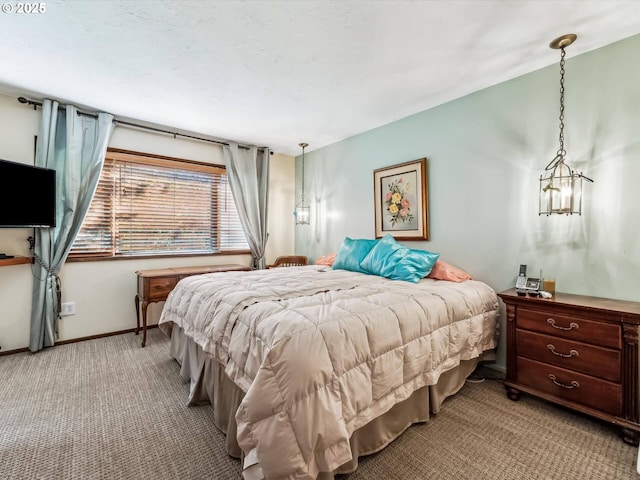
(485, 154)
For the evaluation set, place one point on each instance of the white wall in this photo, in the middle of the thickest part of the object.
(485, 154)
(281, 206)
(104, 291)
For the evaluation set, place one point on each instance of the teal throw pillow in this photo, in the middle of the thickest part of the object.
(415, 264)
(381, 260)
(352, 252)
(391, 260)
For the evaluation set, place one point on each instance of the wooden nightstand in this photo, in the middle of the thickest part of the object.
(155, 285)
(576, 351)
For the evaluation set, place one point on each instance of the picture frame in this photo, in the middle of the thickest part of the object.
(401, 200)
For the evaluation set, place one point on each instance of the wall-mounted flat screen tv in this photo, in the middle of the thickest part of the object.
(27, 195)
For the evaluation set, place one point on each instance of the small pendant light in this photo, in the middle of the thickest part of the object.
(302, 211)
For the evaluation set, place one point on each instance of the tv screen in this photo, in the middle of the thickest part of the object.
(27, 195)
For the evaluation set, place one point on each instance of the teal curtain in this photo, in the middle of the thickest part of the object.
(74, 146)
(248, 174)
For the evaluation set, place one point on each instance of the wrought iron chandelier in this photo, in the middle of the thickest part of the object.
(560, 185)
(302, 211)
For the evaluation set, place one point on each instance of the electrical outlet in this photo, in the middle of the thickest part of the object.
(68, 308)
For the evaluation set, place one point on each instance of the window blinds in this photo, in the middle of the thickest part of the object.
(157, 206)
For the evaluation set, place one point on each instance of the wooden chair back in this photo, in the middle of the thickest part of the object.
(289, 261)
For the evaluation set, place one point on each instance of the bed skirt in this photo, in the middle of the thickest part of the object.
(210, 385)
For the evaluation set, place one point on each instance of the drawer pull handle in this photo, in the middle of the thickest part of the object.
(574, 384)
(572, 353)
(571, 326)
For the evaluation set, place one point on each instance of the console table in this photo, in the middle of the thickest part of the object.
(577, 351)
(155, 285)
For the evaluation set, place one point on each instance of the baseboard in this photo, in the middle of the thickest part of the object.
(11, 352)
(79, 339)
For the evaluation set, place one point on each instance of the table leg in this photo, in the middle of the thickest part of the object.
(137, 300)
(144, 323)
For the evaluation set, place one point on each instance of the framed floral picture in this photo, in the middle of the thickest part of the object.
(400, 195)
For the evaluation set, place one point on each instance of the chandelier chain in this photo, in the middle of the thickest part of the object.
(302, 196)
(561, 151)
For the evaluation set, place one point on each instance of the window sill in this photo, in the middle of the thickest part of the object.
(78, 258)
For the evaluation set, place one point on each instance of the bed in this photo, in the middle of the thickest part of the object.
(308, 368)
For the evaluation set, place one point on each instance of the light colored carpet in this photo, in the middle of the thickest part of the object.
(108, 409)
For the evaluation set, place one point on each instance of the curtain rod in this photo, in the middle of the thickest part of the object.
(37, 104)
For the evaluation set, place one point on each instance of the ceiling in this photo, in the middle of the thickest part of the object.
(277, 72)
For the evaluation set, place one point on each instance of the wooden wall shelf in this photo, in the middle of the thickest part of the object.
(5, 262)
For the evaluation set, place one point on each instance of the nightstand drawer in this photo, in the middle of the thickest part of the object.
(159, 287)
(569, 327)
(589, 359)
(573, 386)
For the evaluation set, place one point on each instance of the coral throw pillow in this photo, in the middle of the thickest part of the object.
(444, 271)
(326, 259)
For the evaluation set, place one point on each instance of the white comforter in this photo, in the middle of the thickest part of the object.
(321, 352)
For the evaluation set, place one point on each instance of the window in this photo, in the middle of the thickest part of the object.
(148, 205)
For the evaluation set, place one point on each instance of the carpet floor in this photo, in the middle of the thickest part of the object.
(108, 409)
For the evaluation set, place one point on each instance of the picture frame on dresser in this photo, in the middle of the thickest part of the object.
(577, 351)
